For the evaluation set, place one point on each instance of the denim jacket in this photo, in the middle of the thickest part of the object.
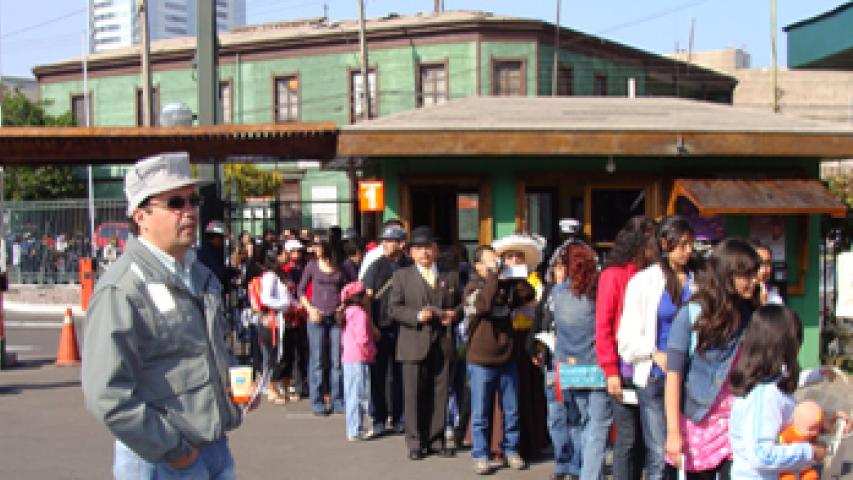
(705, 372)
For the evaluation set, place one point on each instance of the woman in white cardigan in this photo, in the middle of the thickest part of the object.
(652, 298)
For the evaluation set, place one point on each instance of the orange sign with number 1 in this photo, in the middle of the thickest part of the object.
(371, 196)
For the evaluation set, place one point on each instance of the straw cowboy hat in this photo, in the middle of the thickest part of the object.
(529, 246)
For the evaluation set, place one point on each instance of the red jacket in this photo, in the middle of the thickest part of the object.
(608, 310)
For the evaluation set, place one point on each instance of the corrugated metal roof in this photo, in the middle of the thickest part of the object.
(762, 197)
(594, 114)
(42, 145)
(593, 126)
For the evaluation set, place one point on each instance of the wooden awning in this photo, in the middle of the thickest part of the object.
(108, 145)
(758, 197)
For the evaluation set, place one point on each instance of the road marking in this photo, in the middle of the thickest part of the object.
(26, 324)
(21, 348)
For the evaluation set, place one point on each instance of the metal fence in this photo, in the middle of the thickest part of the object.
(45, 239)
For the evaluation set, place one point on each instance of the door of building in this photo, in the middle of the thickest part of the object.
(458, 209)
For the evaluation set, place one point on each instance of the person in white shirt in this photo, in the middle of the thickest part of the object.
(770, 293)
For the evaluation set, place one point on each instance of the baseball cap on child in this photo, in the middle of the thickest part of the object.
(350, 289)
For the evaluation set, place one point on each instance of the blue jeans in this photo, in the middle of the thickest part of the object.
(653, 421)
(214, 463)
(318, 334)
(484, 381)
(579, 426)
(357, 396)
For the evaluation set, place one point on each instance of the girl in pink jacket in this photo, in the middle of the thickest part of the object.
(358, 352)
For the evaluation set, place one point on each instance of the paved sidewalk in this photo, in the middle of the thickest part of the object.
(42, 299)
(47, 434)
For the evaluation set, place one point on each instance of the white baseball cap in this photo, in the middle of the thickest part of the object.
(158, 174)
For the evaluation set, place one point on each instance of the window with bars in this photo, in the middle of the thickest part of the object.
(508, 77)
(286, 99)
(599, 85)
(225, 102)
(356, 94)
(433, 86)
(155, 106)
(565, 81)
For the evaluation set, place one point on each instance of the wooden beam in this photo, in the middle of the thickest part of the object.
(378, 143)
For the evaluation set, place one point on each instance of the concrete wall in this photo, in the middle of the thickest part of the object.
(818, 94)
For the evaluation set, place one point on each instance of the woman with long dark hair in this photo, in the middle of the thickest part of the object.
(631, 253)
(652, 298)
(703, 344)
(326, 277)
(274, 300)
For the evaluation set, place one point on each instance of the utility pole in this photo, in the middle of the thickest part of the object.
(365, 84)
(437, 7)
(146, 63)
(206, 60)
(556, 72)
(774, 97)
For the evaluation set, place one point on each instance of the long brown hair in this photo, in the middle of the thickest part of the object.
(720, 319)
(769, 351)
(579, 260)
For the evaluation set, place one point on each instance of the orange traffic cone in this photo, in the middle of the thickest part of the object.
(67, 354)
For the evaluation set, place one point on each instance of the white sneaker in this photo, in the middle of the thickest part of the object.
(516, 462)
(482, 466)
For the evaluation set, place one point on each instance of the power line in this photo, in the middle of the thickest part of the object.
(44, 23)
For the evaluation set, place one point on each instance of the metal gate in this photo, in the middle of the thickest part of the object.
(836, 333)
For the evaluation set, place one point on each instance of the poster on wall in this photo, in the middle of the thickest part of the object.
(769, 230)
(324, 206)
(844, 292)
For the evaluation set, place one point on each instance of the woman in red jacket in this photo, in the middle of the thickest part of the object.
(631, 253)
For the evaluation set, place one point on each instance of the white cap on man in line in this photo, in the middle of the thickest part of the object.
(292, 244)
(158, 174)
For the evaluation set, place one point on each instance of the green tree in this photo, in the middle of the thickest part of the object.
(250, 180)
(47, 182)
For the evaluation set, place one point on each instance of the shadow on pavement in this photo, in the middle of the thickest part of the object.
(18, 388)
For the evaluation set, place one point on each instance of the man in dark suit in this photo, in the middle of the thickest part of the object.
(425, 301)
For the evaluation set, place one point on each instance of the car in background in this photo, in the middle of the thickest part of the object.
(107, 230)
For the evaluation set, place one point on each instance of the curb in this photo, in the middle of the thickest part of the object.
(46, 309)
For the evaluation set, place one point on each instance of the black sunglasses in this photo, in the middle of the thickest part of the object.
(178, 202)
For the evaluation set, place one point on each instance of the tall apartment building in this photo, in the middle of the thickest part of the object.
(115, 22)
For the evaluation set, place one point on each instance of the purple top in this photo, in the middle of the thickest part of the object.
(326, 292)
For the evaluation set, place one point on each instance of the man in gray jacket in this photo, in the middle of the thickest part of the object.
(155, 364)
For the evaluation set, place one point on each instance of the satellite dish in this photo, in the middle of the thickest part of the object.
(176, 114)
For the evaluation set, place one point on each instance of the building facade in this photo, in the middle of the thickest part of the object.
(115, 22)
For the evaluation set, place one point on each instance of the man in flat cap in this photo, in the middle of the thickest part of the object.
(155, 365)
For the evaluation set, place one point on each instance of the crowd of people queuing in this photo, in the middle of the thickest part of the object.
(649, 351)
(693, 359)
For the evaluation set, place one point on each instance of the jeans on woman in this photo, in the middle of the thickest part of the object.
(579, 426)
(214, 463)
(653, 421)
(484, 382)
(356, 396)
(628, 449)
(318, 334)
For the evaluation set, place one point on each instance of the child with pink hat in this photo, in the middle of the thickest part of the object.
(358, 352)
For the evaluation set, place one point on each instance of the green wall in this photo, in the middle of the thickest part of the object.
(502, 172)
(813, 45)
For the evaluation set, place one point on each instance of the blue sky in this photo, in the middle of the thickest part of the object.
(34, 32)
